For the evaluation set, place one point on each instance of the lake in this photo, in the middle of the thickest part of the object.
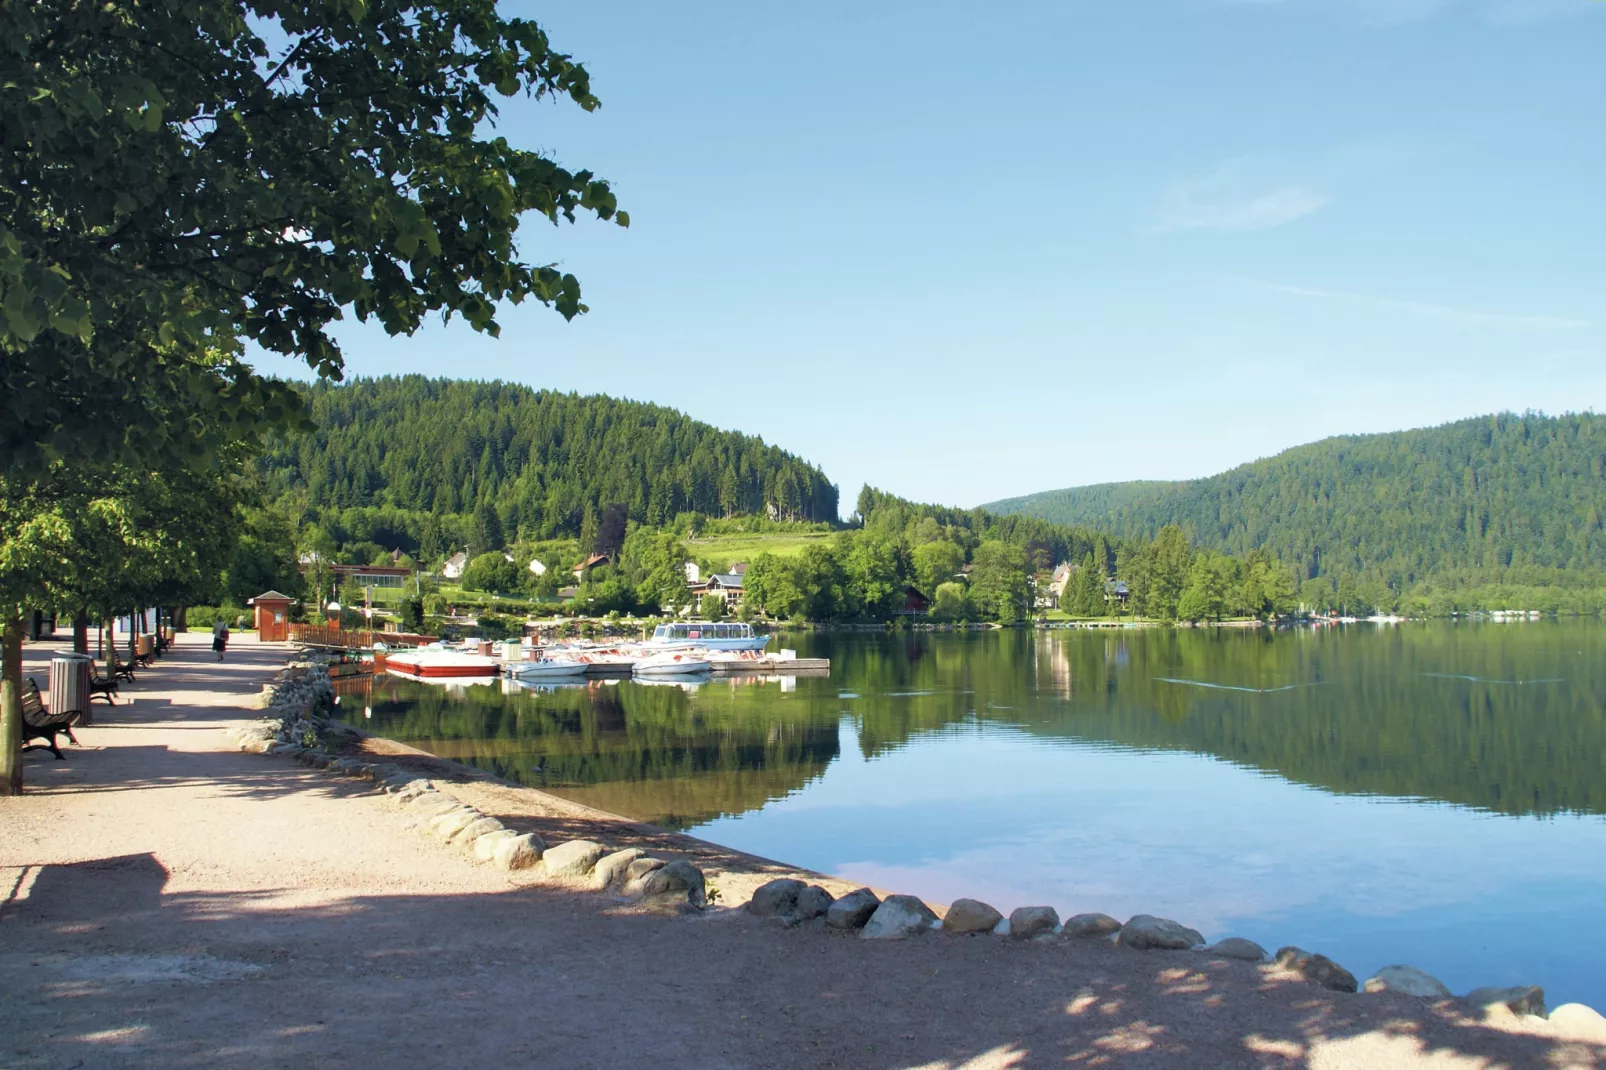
(1430, 794)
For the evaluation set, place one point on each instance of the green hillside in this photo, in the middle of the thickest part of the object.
(489, 462)
(1505, 498)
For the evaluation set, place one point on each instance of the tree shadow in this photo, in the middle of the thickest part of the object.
(100, 966)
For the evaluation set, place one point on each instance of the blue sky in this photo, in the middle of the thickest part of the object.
(966, 251)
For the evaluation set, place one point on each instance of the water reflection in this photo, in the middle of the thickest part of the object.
(1423, 793)
(1504, 718)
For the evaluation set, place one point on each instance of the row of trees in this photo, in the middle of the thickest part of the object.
(180, 180)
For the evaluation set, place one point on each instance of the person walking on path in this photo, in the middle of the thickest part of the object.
(220, 638)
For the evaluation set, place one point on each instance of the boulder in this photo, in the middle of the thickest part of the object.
(812, 902)
(641, 867)
(485, 846)
(853, 910)
(465, 836)
(1317, 969)
(517, 852)
(1236, 947)
(610, 869)
(970, 916)
(776, 898)
(1087, 926)
(1145, 932)
(1407, 980)
(432, 804)
(1027, 922)
(677, 878)
(572, 859)
(1522, 999)
(452, 822)
(898, 916)
(1578, 1022)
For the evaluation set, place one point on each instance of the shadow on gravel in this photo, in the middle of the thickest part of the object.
(98, 967)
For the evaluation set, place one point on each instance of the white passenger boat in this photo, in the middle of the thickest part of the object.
(705, 635)
(545, 667)
(672, 664)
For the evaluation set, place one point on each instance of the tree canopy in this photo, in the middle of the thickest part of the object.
(177, 178)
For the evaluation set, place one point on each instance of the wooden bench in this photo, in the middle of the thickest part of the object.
(120, 670)
(40, 723)
(104, 686)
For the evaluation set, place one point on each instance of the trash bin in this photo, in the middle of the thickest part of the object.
(69, 685)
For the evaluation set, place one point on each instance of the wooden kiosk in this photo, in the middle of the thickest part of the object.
(272, 616)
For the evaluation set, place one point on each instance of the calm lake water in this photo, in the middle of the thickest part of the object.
(1431, 794)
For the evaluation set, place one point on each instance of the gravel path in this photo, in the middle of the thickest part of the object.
(172, 903)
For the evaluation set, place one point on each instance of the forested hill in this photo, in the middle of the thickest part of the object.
(538, 460)
(1484, 498)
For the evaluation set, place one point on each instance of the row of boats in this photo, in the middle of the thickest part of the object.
(675, 650)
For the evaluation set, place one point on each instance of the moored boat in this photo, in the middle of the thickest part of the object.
(440, 664)
(672, 664)
(706, 635)
(545, 667)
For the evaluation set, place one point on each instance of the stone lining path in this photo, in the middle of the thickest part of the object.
(172, 902)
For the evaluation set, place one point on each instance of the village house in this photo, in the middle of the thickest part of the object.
(454, 566)
(537, 568)
(584, 568)
(727, 585)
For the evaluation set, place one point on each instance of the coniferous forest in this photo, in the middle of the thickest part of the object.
(1505, 500)
(498, 461)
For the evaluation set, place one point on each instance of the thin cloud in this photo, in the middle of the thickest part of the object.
(1425, 308)
(1233, 199)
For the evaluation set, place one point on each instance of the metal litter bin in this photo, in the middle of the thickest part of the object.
(69, 685)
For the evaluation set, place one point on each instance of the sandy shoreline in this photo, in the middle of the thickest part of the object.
(173, 902)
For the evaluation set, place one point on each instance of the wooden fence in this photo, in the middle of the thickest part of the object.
(329, 635)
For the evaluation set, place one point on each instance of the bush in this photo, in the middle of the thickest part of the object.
(491, 572)
(204, 617)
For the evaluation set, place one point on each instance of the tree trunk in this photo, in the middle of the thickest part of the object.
(11, 703)
(80, 632)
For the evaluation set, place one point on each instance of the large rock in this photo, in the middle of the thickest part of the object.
(970, 916)
(641, 867)
(898, 916)
(1088, 926)
(853, 910)
(1145, 932)
(452, 822)
(518, 852)
(485, 846)
(572, 859)
(1236, 947)
(1407, 980)
(777, 898)
(1523, 999)
(1027, 922)
(676, 879)
(1578, 1022)
(611, 869)
(812, 902)
(432, 804)
(1317, 969)
(465, 836)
